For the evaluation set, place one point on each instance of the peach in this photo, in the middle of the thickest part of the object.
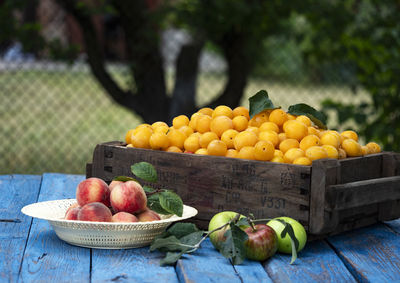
(75, 204)
(129, 197)
(148, 215)
(113, 184)
(93, 190)
(124, 217)
(95, 211)
(72, 213)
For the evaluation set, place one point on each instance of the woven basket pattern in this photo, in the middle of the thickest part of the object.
(102, 235)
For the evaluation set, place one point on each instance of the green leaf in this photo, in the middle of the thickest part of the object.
(260, 102)
(169, 244)
(177, 240)
(145, 171)
(148, 189)
(289, 230)
(153, 202)
(317, 117)
(171, 258)
(171, 202)
(293, 240)
(294, 251)
(182, 229)
(233, 247)
(124, 179)
(243, 222)
(192, 239)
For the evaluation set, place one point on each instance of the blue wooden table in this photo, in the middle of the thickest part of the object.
(31, 252)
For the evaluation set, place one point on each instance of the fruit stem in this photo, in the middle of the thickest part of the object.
(251, 222)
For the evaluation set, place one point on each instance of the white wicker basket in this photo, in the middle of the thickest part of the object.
(101, 235)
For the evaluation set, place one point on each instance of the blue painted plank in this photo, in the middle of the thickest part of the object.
(6, 177)
(316, 263)
(47, 258)
(15, 192)
(208, 265)
(252, 271)
(59, 186)
(131, 265)
(372, 254)
(394, 224)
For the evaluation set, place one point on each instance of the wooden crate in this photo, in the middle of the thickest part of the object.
(329, 197)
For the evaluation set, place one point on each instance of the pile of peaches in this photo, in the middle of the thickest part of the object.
(117, 202)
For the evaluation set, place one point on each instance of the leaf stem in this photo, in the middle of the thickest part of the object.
(261, 221)
(154, 192)
(195, 247)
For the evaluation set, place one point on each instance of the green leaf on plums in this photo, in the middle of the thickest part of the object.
(145, 171)
(317, 117)
(260, 102)
(148, 189)
(182, 229)
(293, 240)
(153, 202)
(171, 258)
(233, 247)
(171, 202)
(124, 179)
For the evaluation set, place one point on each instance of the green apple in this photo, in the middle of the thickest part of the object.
(216, 221)
(284, 244)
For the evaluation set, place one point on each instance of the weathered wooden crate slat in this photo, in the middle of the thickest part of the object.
(329, 197)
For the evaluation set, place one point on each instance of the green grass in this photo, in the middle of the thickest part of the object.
(51, 121)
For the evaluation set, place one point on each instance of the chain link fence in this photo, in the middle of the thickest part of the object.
(53, 114)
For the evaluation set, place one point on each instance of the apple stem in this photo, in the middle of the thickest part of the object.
(251, 222)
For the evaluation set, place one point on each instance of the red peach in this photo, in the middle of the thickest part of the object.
(75, 204)
(129, 197)
(95, 211)
(148, 215)
(124, 217)
(72, 213)
(93, 190)
(113, 184)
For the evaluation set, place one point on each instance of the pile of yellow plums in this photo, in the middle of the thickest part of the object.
(271, 135)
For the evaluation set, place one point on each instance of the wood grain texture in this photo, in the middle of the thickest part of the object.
(361, 193)
(130, 265)
(212, 184)
(316, 263)
(388, 210)
(16, 191)
(372, 254)
(324, 173)
(361, 168)
(208, 265)
(47, 258)
(328, 198)
(394, 225)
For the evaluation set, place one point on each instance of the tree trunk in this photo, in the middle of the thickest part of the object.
(149, 97)
(149, 100)
(239, 67)
(187, 69)
(143, 50)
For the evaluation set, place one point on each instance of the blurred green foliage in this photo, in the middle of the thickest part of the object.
(356, 42)
(366, 35)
